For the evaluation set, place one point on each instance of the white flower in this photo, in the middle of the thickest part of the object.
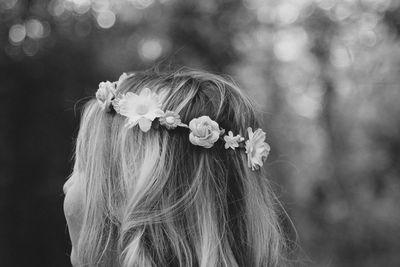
(105, 94)
(139, 109)
(204, 131)
(232, 141)
(257, 150)
(122, 78)
(171, 120)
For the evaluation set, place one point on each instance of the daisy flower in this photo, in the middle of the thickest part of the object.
(171, 120)
(139, 109)
(232, 141)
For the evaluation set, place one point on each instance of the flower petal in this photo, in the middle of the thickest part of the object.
(122, 78)
(154, 114)
(257, 150)
(131, 122)
(214, 137)
(144, 124)
(192, 124)
(250, 132)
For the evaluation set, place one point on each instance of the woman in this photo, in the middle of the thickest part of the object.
(168, 172)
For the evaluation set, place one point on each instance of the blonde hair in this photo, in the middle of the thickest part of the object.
(154, 199)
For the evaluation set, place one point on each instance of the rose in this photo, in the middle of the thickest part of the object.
(204, 131)
(105, 94)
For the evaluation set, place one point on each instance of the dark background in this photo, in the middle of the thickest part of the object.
(325, 74)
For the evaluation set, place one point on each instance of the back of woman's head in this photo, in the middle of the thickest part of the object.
(154, 199)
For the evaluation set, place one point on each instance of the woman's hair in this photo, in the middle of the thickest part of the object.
(154, 199)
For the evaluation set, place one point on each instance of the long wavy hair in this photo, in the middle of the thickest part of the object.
(154, 199)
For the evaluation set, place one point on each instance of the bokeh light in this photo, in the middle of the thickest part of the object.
(265, 14)
(306, 106)
(82, 7)
(141, 4)
(287, 13)
(100, 5)
(8, 4)
(342, 11)
(150, 49)
(17, 33)
(326, 4)
(56, 8)
(34, 29)
(290, 43)
(368, 38)
(106, 19)
(341, 56)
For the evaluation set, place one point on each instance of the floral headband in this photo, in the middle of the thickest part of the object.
(143, 108)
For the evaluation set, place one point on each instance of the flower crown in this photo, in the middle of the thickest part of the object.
(143, 108)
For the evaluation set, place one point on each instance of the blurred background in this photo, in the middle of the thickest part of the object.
(325, 74)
